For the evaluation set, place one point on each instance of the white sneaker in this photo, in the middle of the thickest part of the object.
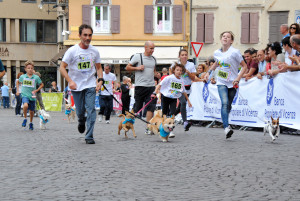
(172, 135)
(228, 132)
(100, 118)
(147, 132)
(107, 122)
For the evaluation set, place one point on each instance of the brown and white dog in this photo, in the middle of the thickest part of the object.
(162, 126)
(272, 128)
(70, 112)
(127, 123)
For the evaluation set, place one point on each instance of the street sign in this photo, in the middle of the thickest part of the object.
(197, 47)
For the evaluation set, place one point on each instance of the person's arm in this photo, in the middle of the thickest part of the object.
(100, 75)
(64, 73)
(187, 98)
(157, 89)
(191, 75)
(249, 75)
(2, 74)
(50, 90)
(17, 86)
(241, 73)
(284, 67)
(40, 87)
(210, 70)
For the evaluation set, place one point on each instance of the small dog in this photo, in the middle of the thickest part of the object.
(70, 112)
(127, 123)
(162, 126)
(272, 128)
(44, 119)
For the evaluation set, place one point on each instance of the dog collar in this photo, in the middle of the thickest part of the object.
(68, 112)
(42, 118)
(129, 120)
(162, 132)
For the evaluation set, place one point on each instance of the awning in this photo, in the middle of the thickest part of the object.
(122, 54)
(58, 56)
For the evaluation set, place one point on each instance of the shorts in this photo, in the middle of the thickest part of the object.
(143, 95)
(31, 104)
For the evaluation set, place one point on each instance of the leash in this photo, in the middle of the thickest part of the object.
(135, 115)
(144, 106)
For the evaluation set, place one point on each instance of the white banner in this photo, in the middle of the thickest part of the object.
(255, 101)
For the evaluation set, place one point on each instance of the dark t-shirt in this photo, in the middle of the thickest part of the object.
(125, 91)
(253, 64)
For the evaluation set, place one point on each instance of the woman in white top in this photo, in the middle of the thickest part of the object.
(289, 51)
(187, 77)
(228, 60)
(275, 54)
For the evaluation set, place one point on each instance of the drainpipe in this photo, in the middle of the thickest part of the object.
(191, 24)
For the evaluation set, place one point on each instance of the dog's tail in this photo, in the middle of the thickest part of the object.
(121, 115)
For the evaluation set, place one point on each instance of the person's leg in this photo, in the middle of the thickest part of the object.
(151, 106)
(164, 104)
(18, 105)
(40, 100)
(231, 94)
(139, 96)
(109, 108)
(173, 103)
(223, 93)
(183, 107)
(102, 104)
(90, 96)
(79, 100)
(5, 102)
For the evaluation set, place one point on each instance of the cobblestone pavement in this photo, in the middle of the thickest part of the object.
(56, 164)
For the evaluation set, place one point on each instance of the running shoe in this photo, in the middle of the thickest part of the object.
(228, 132)
(187, 125)
(31, 126)
(24, 123)
(171, 135)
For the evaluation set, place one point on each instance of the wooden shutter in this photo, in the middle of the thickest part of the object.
(254, 22)
(200, 27)
(115, 19)
(86, 14)
(148, 19)
(177, 19)
(245, 28)
(209, 28)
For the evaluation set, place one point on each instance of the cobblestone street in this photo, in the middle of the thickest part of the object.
(56, 164)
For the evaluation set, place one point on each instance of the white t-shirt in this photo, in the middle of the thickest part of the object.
(172, 87)
(228, 65)
(108, 82)
(81, 64)
(190, 66)
(287, 59)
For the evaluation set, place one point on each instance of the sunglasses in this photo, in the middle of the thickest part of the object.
(293, 28)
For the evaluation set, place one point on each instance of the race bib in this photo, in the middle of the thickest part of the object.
(84, 62)
(27, 82)
(224, 74)
(84, 65)
(176, 85)
(106, 82)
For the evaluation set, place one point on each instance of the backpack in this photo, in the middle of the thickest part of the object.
(141, 59)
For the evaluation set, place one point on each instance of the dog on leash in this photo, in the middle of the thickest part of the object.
(70, 112)
(272, 128)
(162, 126)
(127, 123)
(44, 119)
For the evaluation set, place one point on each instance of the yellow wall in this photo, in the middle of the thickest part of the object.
(131, 22)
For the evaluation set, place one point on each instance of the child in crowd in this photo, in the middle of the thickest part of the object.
(171, 88)
(29, 82)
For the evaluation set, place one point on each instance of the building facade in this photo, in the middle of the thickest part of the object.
(121, 28)
(29, 31)
(255, 23)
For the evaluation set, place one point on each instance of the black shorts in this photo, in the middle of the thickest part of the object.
(143, 95)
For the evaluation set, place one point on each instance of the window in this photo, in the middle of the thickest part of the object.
(205, 25)
(249, 32)
(49, 1)
(163, 15)
(101, 16)
(40, 31)
(2, 29)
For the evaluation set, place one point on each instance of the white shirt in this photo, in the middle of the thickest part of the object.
(286, 57)
(108, 82)
(228, 65)
(172, 87)
(81, 64)
(190, 66)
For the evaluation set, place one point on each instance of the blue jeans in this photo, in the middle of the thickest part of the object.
(18, 105)
(106, 106)
(5, 101)
(85, 102)
(226, 95)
